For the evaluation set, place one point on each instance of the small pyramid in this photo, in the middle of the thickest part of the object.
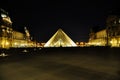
(60, 39)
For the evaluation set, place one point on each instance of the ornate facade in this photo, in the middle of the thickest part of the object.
(9, 37)
(110, 36)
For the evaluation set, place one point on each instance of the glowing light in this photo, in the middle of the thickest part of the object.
(7, 43)
(3, 54)
(60, 39)
(111, 42)
(7, 19)
(25, 51)
(3, 15)
(15, 43)
(114, 42)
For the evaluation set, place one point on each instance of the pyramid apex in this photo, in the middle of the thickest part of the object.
(60, 29)
(60, 39)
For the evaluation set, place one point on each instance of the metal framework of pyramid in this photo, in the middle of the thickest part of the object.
(60, 39)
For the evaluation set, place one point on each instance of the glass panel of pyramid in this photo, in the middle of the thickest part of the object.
(60, 39)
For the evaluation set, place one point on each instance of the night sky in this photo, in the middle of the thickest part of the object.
(44, 18)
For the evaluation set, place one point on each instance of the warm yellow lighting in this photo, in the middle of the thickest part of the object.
(114, 42)
(81, 43)
(60, 39)
(3, 54)
(25, 51)
(15, 43)
(77, 43)
(3, 30)
(111, 42)
(3, 15)
(7, 19)
(7, 43)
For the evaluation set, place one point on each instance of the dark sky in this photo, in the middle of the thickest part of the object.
(44, 18)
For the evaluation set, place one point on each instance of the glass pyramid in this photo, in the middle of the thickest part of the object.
(60, 39)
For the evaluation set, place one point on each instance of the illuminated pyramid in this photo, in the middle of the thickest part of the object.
(60, 39)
